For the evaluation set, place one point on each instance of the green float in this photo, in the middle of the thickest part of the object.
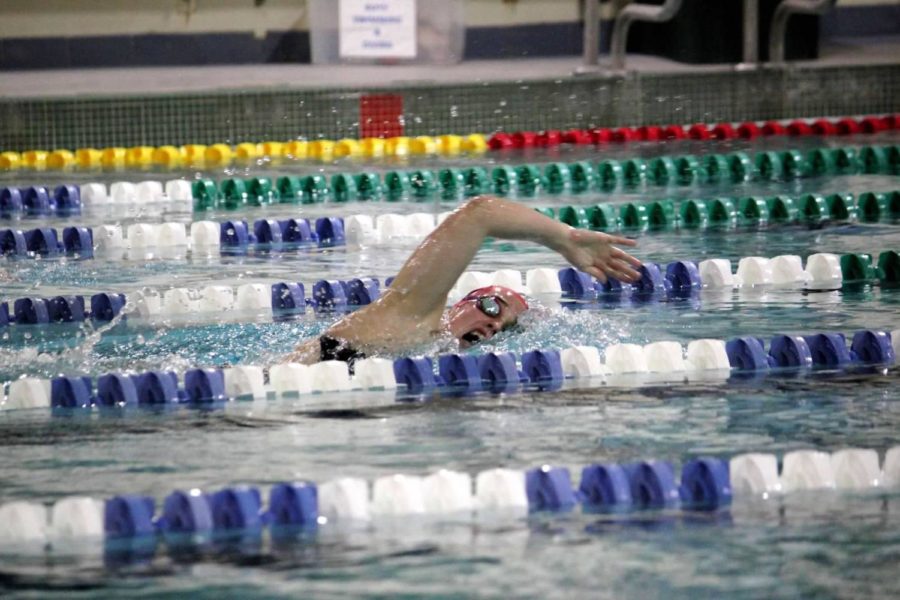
(529, 179)
(846, 161)
(558, 178)
(576, 216)
(872, 207)
(753, 211)
(290, 191)
(423, 184)
(582, 177)
(662, 171)
(688, 170)
(603, 217)
(547, 212)
(769, 166)
(343, 187)
(740, 167)
(857, 267)
(368, 186)
(782, 209)
(634, 216)
(873, 160)
(477, 181)
(722, 212)
(794, 164)
(715, 168)
(315, 189)
(452, 182)
(234, 194)
(634, 171)
(893, 204)
(893, 159)
(889, 267)
(260, 191)
(821, 162)
(694, 214)
(661, 214)
(504, 181)
(610, 174)
(813, 207)
(841, 207)
(397, 186)
(206, 194)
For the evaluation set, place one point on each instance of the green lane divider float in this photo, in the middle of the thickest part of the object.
(728, 212)
(529, 180)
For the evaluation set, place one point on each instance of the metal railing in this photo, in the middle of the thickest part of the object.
(630, 14)
(780, 20)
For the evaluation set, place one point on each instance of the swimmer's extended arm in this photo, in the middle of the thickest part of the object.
(410, 311)
(432, 270)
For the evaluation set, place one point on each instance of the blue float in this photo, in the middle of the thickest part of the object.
(605, 486)
(575, 283)
(42, 240)
(67, 199)
(828, 349)
(234, 234)
(683, 277)
(543, 367)
(80, 240)
(66, 309)
(129, 516)
(362, 291)
(873, 347)
(705, 483)
(10, 200)
(31, 311)
(267, 231)
(5, 318)
(498, 371)
(157, 387)
(105, 307)
(549, 488)
(329, 294)
(652, 484)
(36, 201)
(330, 231)
(236, 508)
(115, 389)
(288, 296)
(297, 231)
(790, 351)
(460, 371)
(415, 373)
(746, 354)
(652, 281)
(614, 286)
(70, 392)
(12, 242)
(186, 512)
(294, 504)
(204, 385)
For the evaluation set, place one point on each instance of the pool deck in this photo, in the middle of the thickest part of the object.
(205, 79)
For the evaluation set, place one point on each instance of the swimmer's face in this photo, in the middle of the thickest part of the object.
(483, 313)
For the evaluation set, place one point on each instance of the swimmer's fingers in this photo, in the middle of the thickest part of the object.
(597, 273)
(622, 255)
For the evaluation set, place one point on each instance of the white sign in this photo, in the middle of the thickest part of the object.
(377, 28)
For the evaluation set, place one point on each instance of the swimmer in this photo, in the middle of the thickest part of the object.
(411, 311)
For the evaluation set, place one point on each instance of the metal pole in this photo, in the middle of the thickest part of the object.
(783, 12)
(751, 32)
(637, 12)
(591, 33)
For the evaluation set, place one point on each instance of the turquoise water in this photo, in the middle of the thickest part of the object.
(826, 544)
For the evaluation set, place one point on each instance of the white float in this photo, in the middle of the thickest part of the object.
(28, 392)
(329, 376)
(375, 373)
(664, 357)
(625, 358)
(707, 355)
(542, 281)
(290, 378)
(448, 492)
(716, 273)
(501, 489)
(754, 270)
(344, 499)
(245, 381)
(76, 517)
(254, 296)
(398, 495)
(855, 469)
(755, 474)
(824, 271)
(806, 470)
(23, 522)
(582, 361)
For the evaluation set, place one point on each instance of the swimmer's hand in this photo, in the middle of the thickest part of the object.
(594, 253)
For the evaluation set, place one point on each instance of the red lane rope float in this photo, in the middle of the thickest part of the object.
(698, 131)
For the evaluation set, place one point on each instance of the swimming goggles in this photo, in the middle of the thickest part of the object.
(489, 305)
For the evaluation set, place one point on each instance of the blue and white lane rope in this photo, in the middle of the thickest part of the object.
(678, 279)
(706, 483)
(464, 374)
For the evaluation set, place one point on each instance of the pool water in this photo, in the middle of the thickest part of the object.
(824, 544)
